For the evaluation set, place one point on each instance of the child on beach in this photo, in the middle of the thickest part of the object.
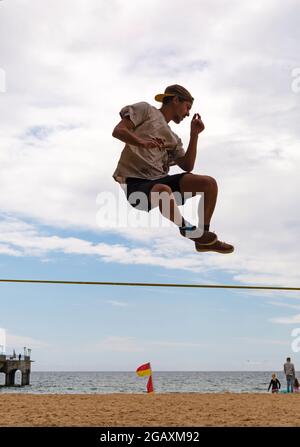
(275, 384)
(296, 385)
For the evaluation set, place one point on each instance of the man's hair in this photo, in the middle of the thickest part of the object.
(169, 99)
(288, 359)
(174, 90)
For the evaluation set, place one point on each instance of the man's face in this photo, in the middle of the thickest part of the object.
(181, 109)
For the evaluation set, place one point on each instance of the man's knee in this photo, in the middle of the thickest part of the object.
(207, 182)
(212, 182)
(160, 195)
(160, 188)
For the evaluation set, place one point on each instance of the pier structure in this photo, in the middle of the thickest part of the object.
(9, 365)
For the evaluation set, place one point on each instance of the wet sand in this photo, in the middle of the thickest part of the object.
(186, 409)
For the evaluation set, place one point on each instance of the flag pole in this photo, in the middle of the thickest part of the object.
(150, 387)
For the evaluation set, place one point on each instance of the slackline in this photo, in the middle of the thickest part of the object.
(144, 284)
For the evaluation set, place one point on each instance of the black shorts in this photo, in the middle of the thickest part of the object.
(140, 185)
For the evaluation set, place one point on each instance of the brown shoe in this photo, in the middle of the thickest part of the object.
(207, 238)
(218, 246)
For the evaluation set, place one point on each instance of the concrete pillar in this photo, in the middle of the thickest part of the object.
(10, 378)
(25, 377)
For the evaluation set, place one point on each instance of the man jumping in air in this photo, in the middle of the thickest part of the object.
(151, 148)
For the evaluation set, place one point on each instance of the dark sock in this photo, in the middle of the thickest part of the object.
(184, 223)
(186, 227)
(206, 227)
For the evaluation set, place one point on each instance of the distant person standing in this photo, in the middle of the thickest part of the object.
(296, 385)
(275, 384)
(289, 371)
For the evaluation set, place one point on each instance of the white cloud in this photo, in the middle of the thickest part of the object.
(117, 303)
(178, 344)
(118, 344)
(6, 250)
(64, 91)
(131, 344)
(19, 341)
(22, 239)
(286, 320)
(289, 306)
(264, 341)
(26, 239)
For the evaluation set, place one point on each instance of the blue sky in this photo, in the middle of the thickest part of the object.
(67, 75)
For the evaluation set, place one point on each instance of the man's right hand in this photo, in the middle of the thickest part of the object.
(150, 143)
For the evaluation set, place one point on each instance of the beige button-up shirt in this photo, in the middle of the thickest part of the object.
(145, 163)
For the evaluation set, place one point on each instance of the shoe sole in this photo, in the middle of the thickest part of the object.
(225, 252)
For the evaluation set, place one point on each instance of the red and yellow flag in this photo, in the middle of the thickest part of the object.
(150, 388)
(144, 370)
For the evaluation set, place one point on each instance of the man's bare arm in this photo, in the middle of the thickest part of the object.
(124, 132)
(187, 162)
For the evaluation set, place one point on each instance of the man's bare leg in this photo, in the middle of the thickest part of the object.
(192, 183)
(161, 195)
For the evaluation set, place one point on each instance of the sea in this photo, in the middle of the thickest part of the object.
(129, 382)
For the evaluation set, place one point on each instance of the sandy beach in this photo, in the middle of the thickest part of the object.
(149, 410)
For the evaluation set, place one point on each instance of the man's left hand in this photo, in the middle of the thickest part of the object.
(197, 125)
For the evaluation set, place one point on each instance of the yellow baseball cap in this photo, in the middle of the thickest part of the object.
(174, 90)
